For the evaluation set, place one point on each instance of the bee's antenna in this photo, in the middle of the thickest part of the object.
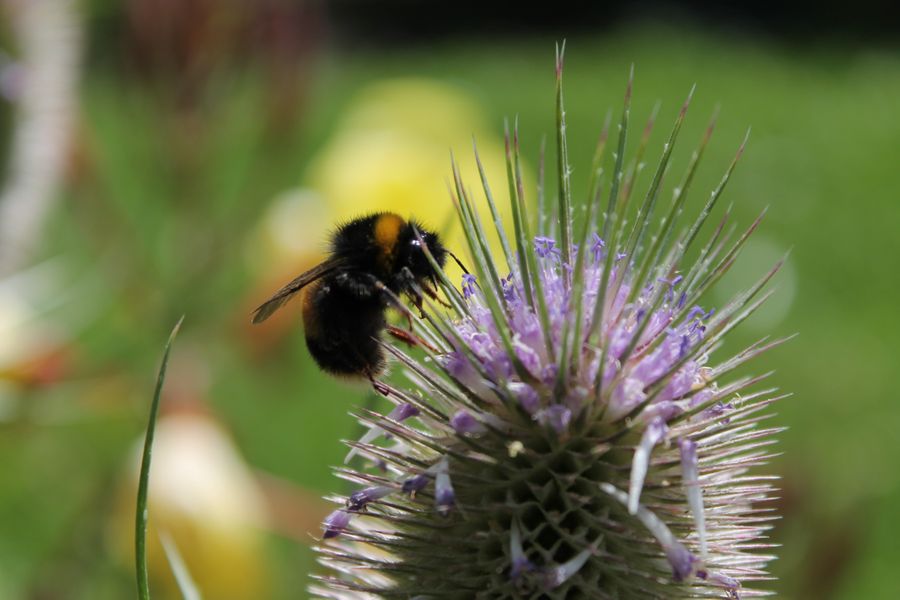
(459, 262)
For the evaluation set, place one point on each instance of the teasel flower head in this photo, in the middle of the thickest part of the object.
(572, 430)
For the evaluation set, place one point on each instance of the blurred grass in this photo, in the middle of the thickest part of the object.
(160, 212)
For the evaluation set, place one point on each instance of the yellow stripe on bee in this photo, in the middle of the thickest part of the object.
(387, 229)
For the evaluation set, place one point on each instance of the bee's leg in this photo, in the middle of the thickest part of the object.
(379, 387)
(432, 293)
(459, 262)
(417, 302)
(412, 292)
(395, 301)
(408, 337)
(403, 335)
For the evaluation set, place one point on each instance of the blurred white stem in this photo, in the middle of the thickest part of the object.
(186, 585)
(49, 38)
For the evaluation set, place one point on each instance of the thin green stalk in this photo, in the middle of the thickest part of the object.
(495, 214)
(620, 159)
(562, 157)
(530, 258)
(640, 225)
(652, 256)
(520, 225)
(541, 225)
(597, 161)
(140, 525)
(636, 165)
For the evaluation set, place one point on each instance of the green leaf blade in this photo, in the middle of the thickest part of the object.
(141, 513)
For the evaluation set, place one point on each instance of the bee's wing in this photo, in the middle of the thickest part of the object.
(279, 298)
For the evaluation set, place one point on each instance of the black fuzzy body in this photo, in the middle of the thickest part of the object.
(342, 329)
(344, 310)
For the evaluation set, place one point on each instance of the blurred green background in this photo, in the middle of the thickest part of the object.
(211, 146)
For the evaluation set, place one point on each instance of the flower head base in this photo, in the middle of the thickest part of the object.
(574, 435)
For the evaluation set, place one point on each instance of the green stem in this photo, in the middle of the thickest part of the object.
(140, 524)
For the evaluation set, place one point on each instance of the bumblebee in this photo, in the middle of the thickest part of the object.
(373, 260)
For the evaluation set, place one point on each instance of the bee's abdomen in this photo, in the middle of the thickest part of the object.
(342, 329)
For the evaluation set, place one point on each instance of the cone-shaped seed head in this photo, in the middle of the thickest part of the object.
(570, 431)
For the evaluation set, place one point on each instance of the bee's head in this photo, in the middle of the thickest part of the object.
(412, 256)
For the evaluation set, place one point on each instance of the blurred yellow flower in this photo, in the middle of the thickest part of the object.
(390, 151)
(203, 497)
